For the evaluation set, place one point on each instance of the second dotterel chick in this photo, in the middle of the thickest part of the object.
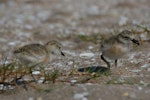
(33, 54)
(117, 46)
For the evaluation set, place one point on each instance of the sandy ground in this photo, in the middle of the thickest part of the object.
(79, 26)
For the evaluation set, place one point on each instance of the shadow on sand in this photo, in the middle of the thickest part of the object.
(95, 69)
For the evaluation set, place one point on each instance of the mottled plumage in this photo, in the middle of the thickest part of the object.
(117, 46)
(33, 54)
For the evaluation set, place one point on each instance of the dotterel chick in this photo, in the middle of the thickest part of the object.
(33, 54)
(117, 46)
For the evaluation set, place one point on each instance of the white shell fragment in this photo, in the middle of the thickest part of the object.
(145, 66)
(87, 55)
(81, 96)
(36, 72)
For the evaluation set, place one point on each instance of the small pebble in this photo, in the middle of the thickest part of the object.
(148, 69)
(31, 98)
(70, 62)
(125, 94)
(123, 20)
(140, 88)
(90, 47)
(73, 81)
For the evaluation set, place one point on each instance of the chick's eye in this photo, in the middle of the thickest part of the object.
(52, 52)
(59, 47)
(126, 37)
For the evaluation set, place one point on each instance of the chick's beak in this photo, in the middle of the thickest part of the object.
(62, 54)
(135, 41)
